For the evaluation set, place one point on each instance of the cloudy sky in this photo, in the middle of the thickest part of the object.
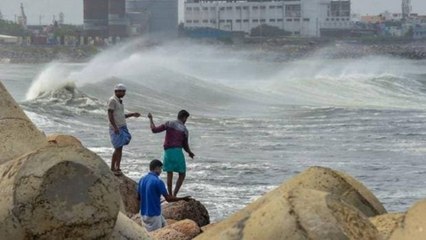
(43, 10)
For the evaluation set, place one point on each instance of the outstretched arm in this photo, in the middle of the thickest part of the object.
(135, 114)
(155, 129)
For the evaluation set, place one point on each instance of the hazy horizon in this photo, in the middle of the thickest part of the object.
(43, 10)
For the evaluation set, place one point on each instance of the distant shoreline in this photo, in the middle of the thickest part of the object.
(275, 50)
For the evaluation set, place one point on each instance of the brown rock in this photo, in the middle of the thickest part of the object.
(387, 223)
(296, 214)
(191, 209)
(168, 234)
(207, 227)
(413, 226)
(137, 219)
(347, 188)
(171, 221)
(187, 227)
(126, 229)
(129, 195)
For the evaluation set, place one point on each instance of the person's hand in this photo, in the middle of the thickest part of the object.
(191, 155)
(150, 116)
(136, 114)
(116, 130)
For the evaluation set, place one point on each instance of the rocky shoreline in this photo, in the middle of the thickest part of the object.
(55, 188)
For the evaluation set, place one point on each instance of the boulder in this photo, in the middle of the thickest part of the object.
(296, 214)
(129, 194)
(126, 229)
(57, 192)
(338, 183)
(18, 134)
(387, 223)
(168, 234)
(413, 226)
(187, 227)
(191, 209)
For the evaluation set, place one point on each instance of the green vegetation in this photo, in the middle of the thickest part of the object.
(11, 28)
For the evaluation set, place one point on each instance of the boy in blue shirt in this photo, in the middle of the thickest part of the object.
(150, 190)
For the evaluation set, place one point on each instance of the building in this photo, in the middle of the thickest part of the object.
(308, 18)
(96, 18)
(158, 18)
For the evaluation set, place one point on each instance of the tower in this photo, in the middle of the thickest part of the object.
(406, 8)
(22, 20)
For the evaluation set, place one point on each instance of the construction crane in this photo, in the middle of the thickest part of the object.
(406, 9)
(22, 20)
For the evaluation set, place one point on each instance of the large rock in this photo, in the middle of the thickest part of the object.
(187, 229)
(129, 194)
(18, 134)
(387, 223)
(63, 140)
(191, 209)
(296, 214)
(57, 193)
(413, 226)
(347, 188)
(126, 229)
(168, 234)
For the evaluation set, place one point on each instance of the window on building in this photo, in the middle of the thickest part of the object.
(272, 7)
(222, 20)
(280, 7)
(196, 21)
(205, 21)
(271, 20)
(262, 20)
(245, 7)
(245, 20)
(255, 20)
(238, 20)
(306, 19)
(188, 9)
(212, 20)
(262, 7)
(196, 9)
(255, 7)
(279, 20)
(289, 20)
(238, 8)
(293, 10)
(222, 8)
(205, 8)
(229, 21)
(296, 33)
(228, 8)
(297, 19)
(212, 8)
(188, 21)
(340, 8)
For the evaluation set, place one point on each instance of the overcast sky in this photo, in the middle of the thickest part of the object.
(73, 9)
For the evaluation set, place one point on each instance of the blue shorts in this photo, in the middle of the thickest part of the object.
(174, 160)
(120, 139)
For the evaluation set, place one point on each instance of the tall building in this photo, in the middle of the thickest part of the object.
(117, 21)
(308, 18)
(406, 8)
(156, 17)
(96, 18)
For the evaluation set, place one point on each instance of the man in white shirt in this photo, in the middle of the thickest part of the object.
(119, 133)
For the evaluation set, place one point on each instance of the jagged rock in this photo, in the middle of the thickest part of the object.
(387, 223)
(137, 219)
(191, 209)
(168, 234)
(338, 183)
(413, 226)
(296, 214)
(18, 133)
(129, 194)
(126, 229)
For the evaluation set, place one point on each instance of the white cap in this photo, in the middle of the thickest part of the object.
(120, 87)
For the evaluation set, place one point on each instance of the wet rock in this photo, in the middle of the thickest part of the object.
(191, 209)
(387, 223)
(296, 214)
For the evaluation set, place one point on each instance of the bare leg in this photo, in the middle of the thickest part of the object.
(116, 158)
(179, 183)
(169, 182)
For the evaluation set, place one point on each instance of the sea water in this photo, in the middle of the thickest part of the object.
(254, 122)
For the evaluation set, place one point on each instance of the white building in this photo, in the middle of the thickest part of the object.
(309, 18)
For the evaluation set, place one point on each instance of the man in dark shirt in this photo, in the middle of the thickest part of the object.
(176, 139)
(150, 190)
